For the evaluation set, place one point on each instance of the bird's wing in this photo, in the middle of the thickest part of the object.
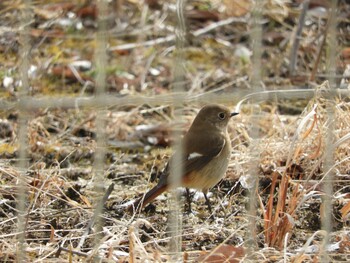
(198, 155)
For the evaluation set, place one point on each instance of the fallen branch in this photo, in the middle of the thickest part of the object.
(172, 37)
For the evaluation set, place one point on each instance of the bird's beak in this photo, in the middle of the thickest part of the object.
(233, 114)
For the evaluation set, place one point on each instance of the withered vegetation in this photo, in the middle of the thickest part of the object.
(293, 144)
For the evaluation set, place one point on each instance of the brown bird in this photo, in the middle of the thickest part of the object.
(206, 151)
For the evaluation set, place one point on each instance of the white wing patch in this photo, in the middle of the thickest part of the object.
(194, 155)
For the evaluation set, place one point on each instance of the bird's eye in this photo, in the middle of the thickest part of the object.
(222, 115)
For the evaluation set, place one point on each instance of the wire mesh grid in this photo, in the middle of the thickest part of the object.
(77, 144)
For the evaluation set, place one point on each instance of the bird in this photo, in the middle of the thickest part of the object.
(205, 155)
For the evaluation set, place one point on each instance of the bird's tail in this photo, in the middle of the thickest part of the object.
(148, 197)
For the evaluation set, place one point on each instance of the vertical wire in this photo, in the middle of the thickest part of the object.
(99, 157)
(176, 169)
(326, 217)
(22, 131)
(256, 36)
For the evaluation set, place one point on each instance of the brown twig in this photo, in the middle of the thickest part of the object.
(93, 219)
(78, 253)
(319, 52)
(296, 42)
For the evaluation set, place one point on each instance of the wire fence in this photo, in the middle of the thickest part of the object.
(267, 223)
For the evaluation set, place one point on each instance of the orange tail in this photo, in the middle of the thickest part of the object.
(148, 197)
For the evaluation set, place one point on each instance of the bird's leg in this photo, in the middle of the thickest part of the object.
(207, 201)
(188, 196)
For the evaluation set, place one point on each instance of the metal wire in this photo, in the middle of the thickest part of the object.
(100, 101)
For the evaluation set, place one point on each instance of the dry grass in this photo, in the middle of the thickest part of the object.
(60, 195)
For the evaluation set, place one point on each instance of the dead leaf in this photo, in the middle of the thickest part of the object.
(237, 8)
(345, 54)
(67, 73)
(315, 3)
(202, 15)
(223, 253)
(345, 210)
(153, 4)
(88, 11)
(36, 32)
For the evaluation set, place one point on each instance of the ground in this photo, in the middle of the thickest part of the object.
(289, 171)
